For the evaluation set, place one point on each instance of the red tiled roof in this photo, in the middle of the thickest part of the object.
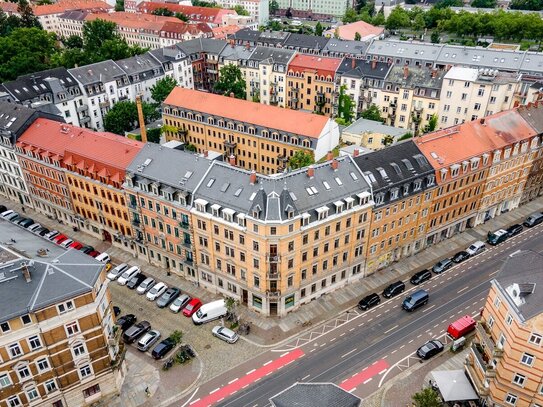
(348, 31)
(222, 32)
(81, 145)
(325, 66)
(194, 29)
(67, 5)
(292, 121)
(139, 21)
(9, 7)
(202, 14)
(471, 139)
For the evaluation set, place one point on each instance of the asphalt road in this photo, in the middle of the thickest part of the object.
(381, 337)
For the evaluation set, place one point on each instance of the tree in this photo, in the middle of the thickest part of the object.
(345, 106)
(350, 16)
(372, 113)
(435, 38)
(231, 81)
(484, 3)
(427, 398)
(123, 116)
(432, 124)
(162, 88)
(319, 29)
(97, 32)
(162, 11)
(231, 306)
(182, 17)
(336, 33)
(398, 18)
(8, 23)
(418, 22)
(406, 136)
(73, 41)
(190, 147)
(273, 7)
(357, 36)
(388, 140)
(28, 19)
(119, 5)
(176, 336)
(240, 10)
(301, 159)
(153, 135)
(360, 4)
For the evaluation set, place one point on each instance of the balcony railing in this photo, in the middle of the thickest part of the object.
(184, 225)
(273, 294)
(136, 222)
(273, 275)
(230, 144)
(273, 257)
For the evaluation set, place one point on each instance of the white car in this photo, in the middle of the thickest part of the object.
(180, 303)
(145, 285)
(128, 274)
(157, 290)
(9, 214)
(115, 273)
(67, 243)
(34, 227)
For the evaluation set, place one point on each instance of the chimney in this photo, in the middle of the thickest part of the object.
(26, 272)
(434, 73)
(374, 64)
(516, 104)
(232, 160)
(405, 71)
(389, 61)
(334, 164)
(353, 63)
(232, 95)
(232, 44)
(141, 119)
(310, 171)
(482, 121)
(206, 153)
(356, 152)
(252, 178)
(329, 156)
(529, 105)
(247, 45)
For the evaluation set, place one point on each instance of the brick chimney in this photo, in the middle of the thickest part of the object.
(310, 171)
(389, 61)
(232, 160)
(206, 153)
(329, 156)
(26, 272)
(356, 152)
(232, 43)
(353, 63)
(529, 105)
(247, 45)
(482, 121)
(334, 164)
(252, 178)
(434, 73)
(405, 71)
(232, 95)
(374, 64)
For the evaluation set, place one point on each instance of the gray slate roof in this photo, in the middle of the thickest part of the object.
(363, 68)
(533, 115)
(315, 395)
(71, 274)
(15, 119)
(235, 53)
(272, 55)
(141, 64)
(524, 268)
(50, 81)
(301, 41)
(371, 126)
(345, 47)
(209, 45)
(169, 167)
(100, 72)
(231, 188)
(416, 78)
(168, 54)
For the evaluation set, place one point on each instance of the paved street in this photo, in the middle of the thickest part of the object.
(363, 353)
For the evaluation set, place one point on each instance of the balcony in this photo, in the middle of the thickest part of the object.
(184, 225)
(273, 294)
(486, 340)
(84, 119)
(273, 257)
(282, 158)
(187, 244)
(136, 222)
(132, 205)
(273, 275)
(82, 108)
(230, 144)
(104, 104)
(478, 370)
(294, 90)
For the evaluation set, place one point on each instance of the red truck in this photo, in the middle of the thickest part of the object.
(461, 327)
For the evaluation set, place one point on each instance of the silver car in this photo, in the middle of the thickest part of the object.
(225, 334)
(148, 340)
(180, 303)
(145, 285)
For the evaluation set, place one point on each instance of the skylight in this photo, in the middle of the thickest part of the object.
(188, 174)
(225, 186)
(326, 185)
(338, 181)
(210, 182)
(353, 176)
(238, 192)
(252, 196)
(294, 198)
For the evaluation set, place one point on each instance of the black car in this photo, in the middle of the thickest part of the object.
(421, 276)
(460, 256)
(514, 230)
(135, 331)
(394, 289)
(87, 249)
(429, 349)
(116, 310)
(369, 301)
(168, 297)
(126, 321)
(17, 218)
(163, 348)
(136, 281)
(43, 231)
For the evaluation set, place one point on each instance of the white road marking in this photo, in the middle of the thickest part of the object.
(391, 329)
(382, 371)
(251, 371)
(429, 308)
(369, 380)
(348, 353)
(305, 377)
(232, 381)
(195, 401)
(463, 289)
(268, 362)
(217, 389)
(411, 341)
(394, 351)
(352, 329)
(284, 354)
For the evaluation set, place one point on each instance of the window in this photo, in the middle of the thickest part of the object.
(34, 342)
(511, 399)
(490, 321)
(42, 364)
(4, 380)
(14, 401)
(91, 391)
(26, 319)
(535, 339)
(50, 385)
(497, 302)
(85, 371)
(527, 359)
(4, 326)
(67, 306)
(15, 350)
(519, 380)
(509, 319)
(32, 394)
(23, 372)
(72, 328)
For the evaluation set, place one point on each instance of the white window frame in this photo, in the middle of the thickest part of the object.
(3, 382)
(511, 399)
(32, 390)
(69, 325)
(81, 371)
(47, 386)
(14, 401)
(23, 378)
(33, 339)
(519, 379)
(530, 359)
(40, 369)
(535, 339)
(13, 346)
(77, 346)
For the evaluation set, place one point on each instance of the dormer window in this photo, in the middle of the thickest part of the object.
(339, 206)
(475, 163)
(256, 211)
(515, 149)
(228, 214)
(155, 189)
(379, 198)
(322, 212)
(454, 170)
(290, 211)
(534, 143)
(349, 202)
(394, 193)
(241, 220)
(406, 189)
(417, 185)
(431, 180)
(305, 219)
(524, 147)
(211, 120)
(443, 173)
(201, 205)
(216, 210)
(465, 166)
(496, 159)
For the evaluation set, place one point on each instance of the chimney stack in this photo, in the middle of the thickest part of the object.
(329, 156)
(232, 160)
(405, 71)
(434, 73)
(334, 164)
(356, 152)
(310, 171)
(247, 45)
(353, 63)
(206, 153)
(252, 178)
(141, 119)
(529, 105)
(389, 61)
(374, 64)
(232, 44)
(482, 121)
(232, 95)
(26, 272)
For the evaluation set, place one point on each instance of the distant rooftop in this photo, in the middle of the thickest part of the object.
(371, 126)
(314, 395)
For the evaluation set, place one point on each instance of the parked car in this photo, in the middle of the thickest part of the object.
(59, 239)
(394, 289)
(476, 248)
(26, 223)
(34, 227)
(157, 290)
(3, 208)
(460, 256)
(369, 301)
(461, 327)
(136, 281)
(168, 297)
(146, 285)
(225, 334)
(429, 349)
(9, 214)
(52, 234)
(127, 275)
(442, 266)
(163, 348)
(180, 303)
(87, 249)
(66, 243)
(116, 272)
(193, 306)
(93, 253)
(148, 340)
(421, 276)
(209, 312)
(126, 321)
(116, 311)
(514, 230)
(135, 331)
(533, 220)
(42, 231)
(103, 257)
(76, 245)
(497, 237)
(16, 219)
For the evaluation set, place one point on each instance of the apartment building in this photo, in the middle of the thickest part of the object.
(212, 16)
(506, 359)
(71, 23)
(469, 93)
(54, 91)
(314, 8)
(344, 48)
(311, 82)
(409, 97)
(403, 184)
(150, 31)
(175, 64)
(103, 83)
(259, 10)
(57, 345)
(305, 44)
(371, 134)
(234, 54)
(250, 132)
(14, 120)
(276, 242)
(266, 75)
(143, 72)
(159, 196)
(204, 54)
(534, 184)
(360, 78)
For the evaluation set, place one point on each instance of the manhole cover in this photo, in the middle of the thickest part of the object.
(207, 347)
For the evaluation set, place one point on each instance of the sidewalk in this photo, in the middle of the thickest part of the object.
(270, 330)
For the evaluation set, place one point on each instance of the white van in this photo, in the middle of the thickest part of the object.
(128, 274)
(476, 248)
(103, 257)
(209, 312)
